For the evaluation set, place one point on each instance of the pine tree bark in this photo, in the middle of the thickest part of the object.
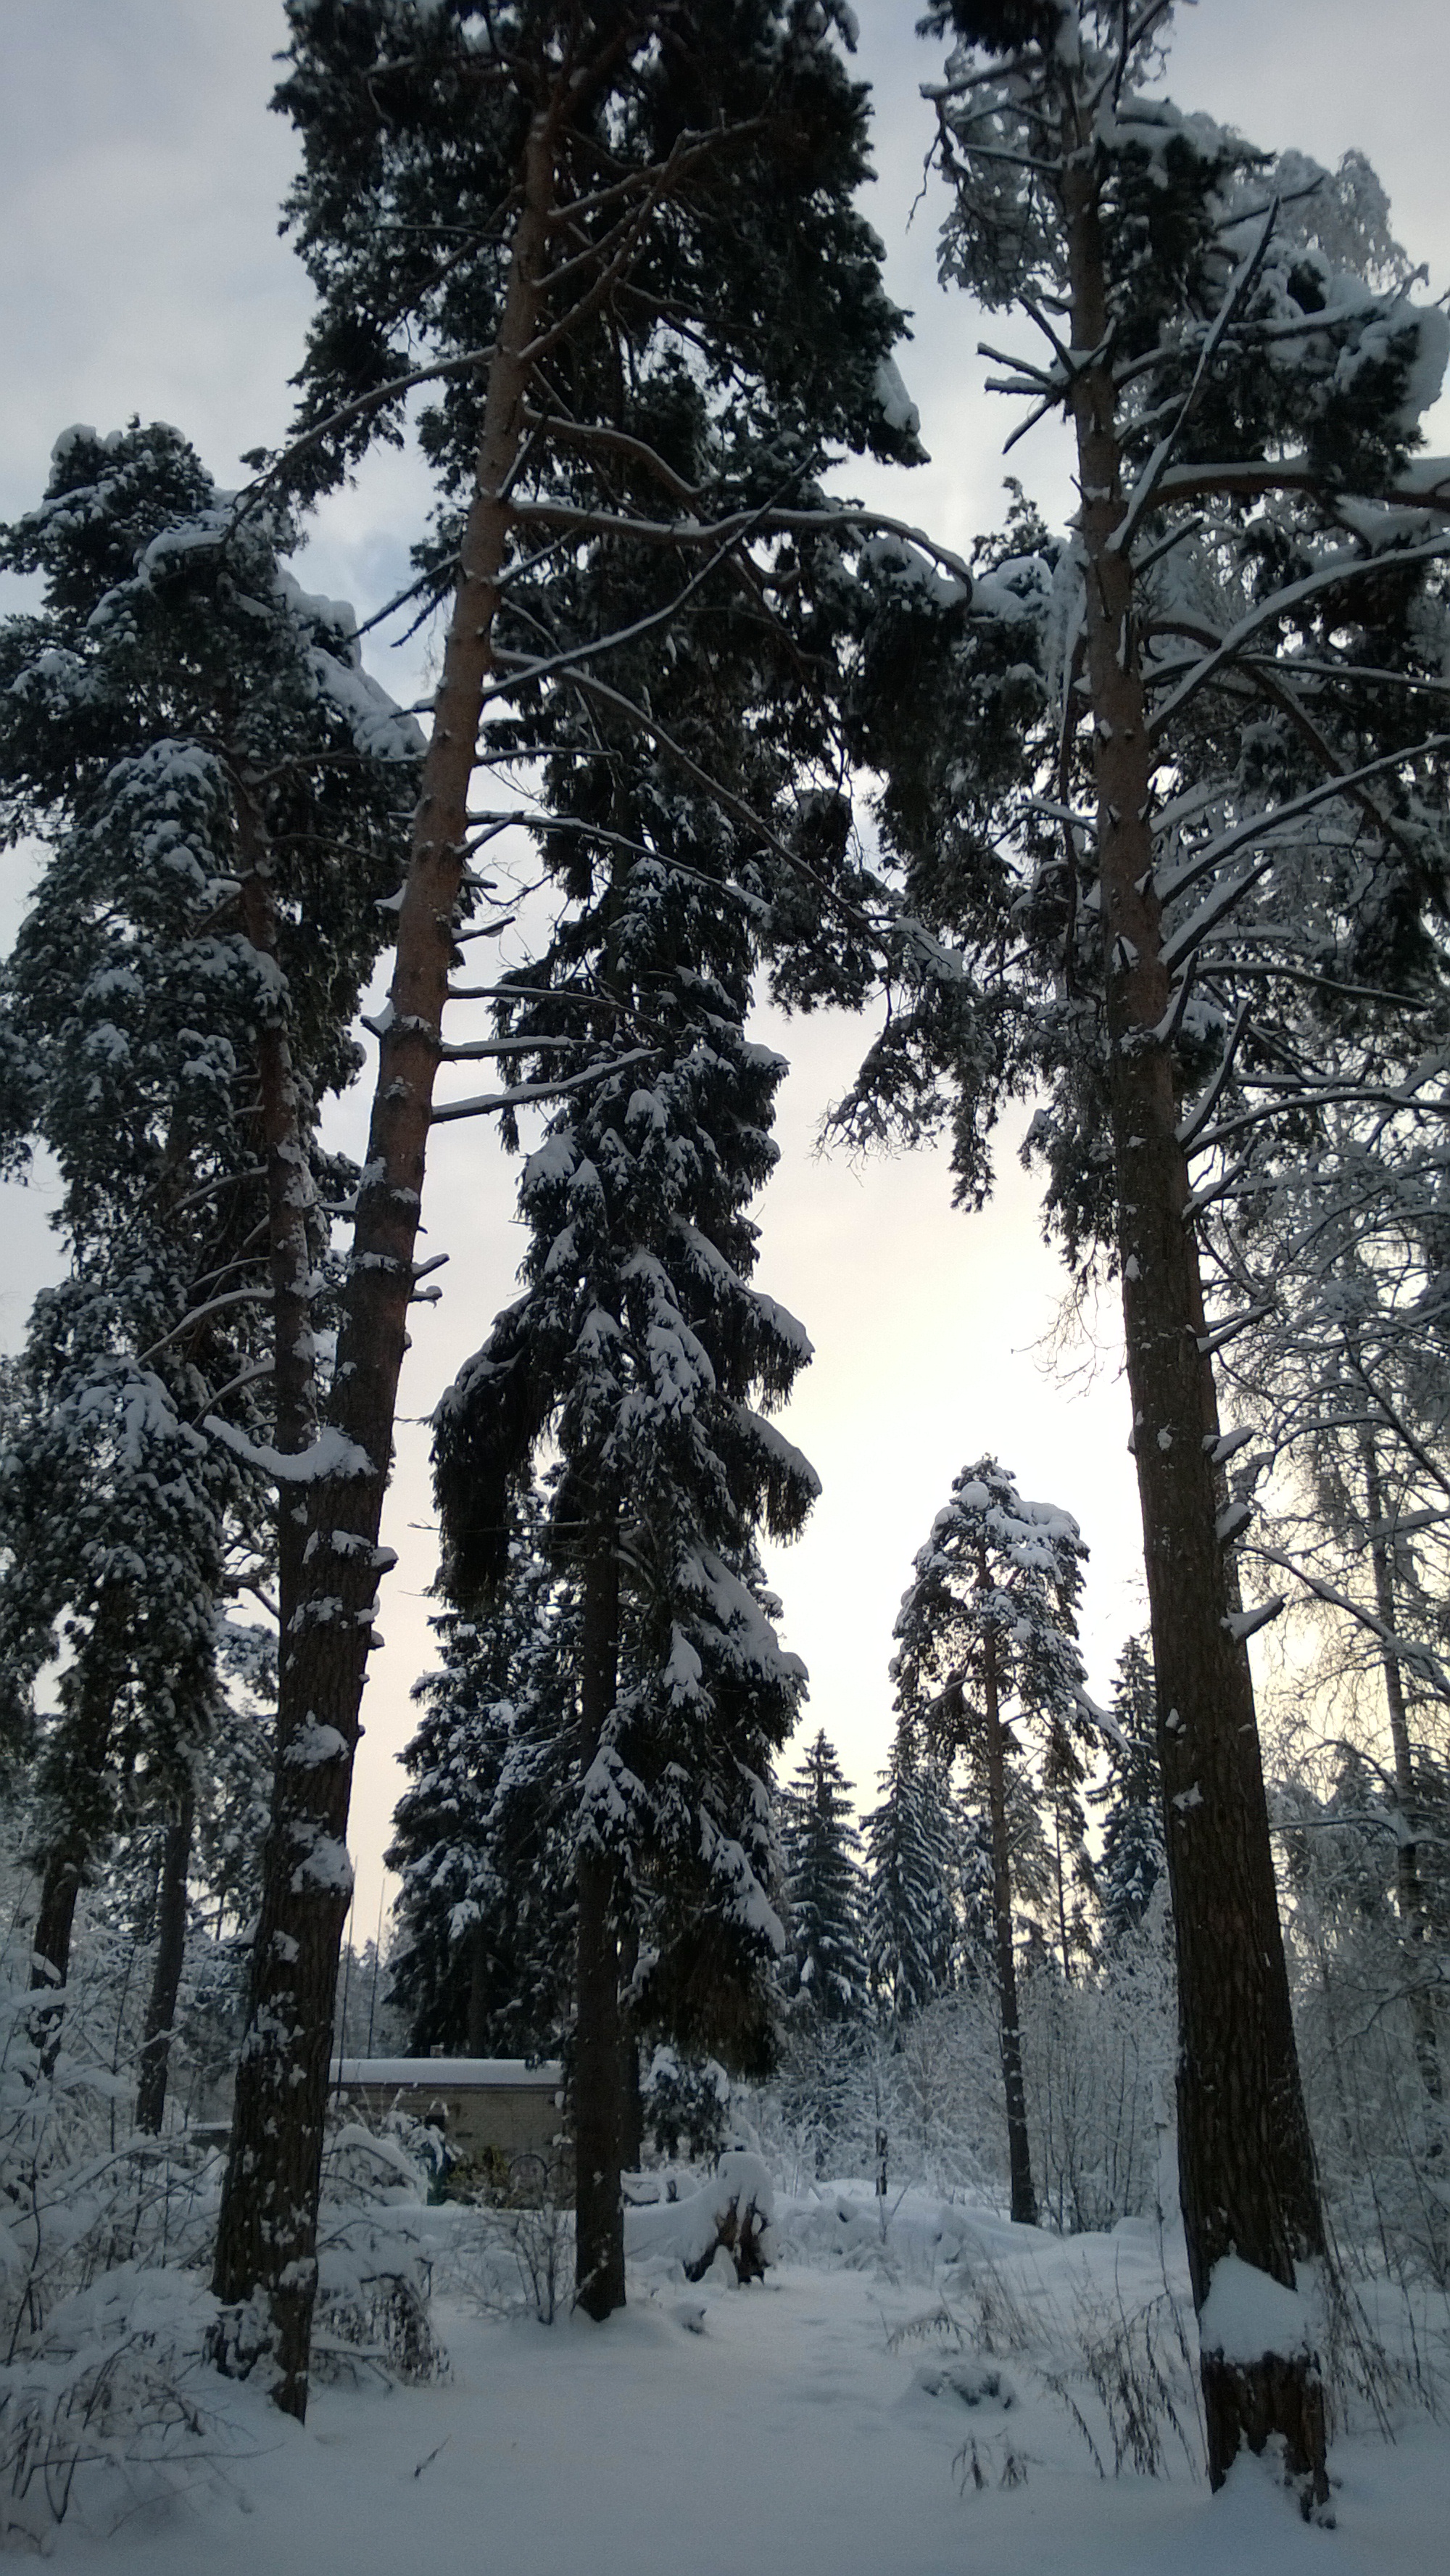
(60, 1887)
(290, 1200)
(598, 2031)
(1019, 2151)
(170, 1958)
(631, 2135)
(1409, 1886)
(265, 2270)
(1247, 2176)
(82, 1814)
(477, 1992)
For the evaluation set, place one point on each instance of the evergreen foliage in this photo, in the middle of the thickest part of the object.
(1188, 845)
(215, 782)
(636, 1351)
(824, 1889)
(992, 1610)
(1163, 849)
(1131, 1796)
(915, 1855)
(573, 219)
(481, 1957)
(987, 1646)
(1074, 1879)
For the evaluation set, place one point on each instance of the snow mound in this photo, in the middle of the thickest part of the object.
(976, 2383)
(1249, 2314)
(732, 2212)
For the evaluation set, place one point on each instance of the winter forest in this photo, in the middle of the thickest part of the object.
(725, 1393)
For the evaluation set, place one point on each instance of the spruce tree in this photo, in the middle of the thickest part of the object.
(481, 1958)
(987, 1647)
(912, 1859)
(636, 1352)
(1131, 1796)
(827, 1997)
(1074, 1882)
(824, 1888)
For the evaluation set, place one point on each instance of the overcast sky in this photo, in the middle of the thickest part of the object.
(142, 272)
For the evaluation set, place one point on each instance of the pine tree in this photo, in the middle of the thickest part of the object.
(1131, 1796)
(1205, 839)
(987, 1635)
(192, 738)
(912, 1859)
(452, 215)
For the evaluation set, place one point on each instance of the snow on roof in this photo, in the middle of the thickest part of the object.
(448, 2074)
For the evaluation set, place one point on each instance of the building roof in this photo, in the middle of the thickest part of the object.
(449, 2074)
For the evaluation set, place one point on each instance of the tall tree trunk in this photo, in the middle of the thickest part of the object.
(478, 1992)
(170, 1956)
(631, 2134)
(1019, 2153)
(266, 2243)
(290, 1203)
(1061, 1894)
(1247, 2176)
(598, 2033)
(1409, 1886)
(80, 1812)
(60, 1887)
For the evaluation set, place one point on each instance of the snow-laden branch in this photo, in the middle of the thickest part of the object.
(1425, 485)
(1280, 603)
(330, 1454)
(1198, 1118)
(1214, 909)
(1259, 827)
(199, 1314)
(1145, 490)
(1405, 1650)
(572, 521)
(524, 1092)
(523, 671)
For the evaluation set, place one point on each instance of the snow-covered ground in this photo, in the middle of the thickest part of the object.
(816, 2424)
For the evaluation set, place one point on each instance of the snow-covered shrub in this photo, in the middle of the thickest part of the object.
(515, 2261)
(103, 2238)
(1097, 2055)
(115, 2379)
(376, 2244)
(686, 2099)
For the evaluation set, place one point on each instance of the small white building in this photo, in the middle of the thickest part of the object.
(489, 2109)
